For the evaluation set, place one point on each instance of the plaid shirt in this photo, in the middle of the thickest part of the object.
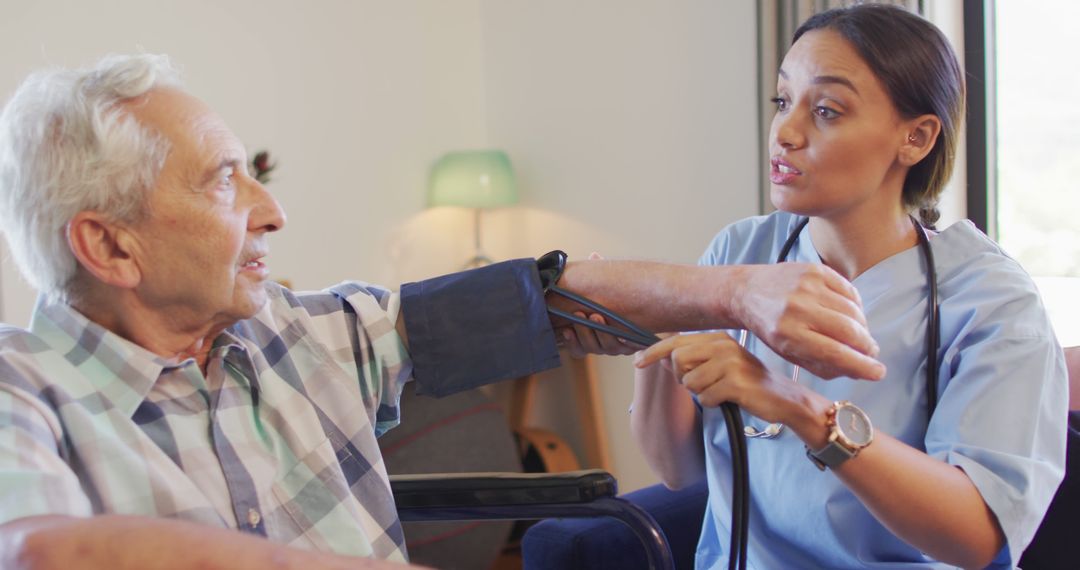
(278, 438)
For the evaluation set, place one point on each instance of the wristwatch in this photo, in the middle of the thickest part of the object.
(850, 431)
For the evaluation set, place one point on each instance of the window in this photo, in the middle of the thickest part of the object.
(1030, 201)
(1038, 135)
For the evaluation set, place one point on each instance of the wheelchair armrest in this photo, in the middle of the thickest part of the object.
(526, 496)
(467, 490)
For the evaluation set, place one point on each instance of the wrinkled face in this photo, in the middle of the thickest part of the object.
(199, 251)
(836, 135)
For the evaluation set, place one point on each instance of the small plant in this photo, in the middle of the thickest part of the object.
(262, 166)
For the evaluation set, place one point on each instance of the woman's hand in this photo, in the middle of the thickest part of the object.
(716, 369)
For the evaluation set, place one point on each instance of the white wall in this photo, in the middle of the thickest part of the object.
(631, 125)
(356, 98)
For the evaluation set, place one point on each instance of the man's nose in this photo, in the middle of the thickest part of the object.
(267, 215)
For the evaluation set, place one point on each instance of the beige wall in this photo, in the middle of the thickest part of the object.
(631, 125)
(355, 98)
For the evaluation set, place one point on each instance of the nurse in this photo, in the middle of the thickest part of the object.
(870, 472)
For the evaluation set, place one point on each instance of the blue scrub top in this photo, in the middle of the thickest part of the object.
(1001, 414)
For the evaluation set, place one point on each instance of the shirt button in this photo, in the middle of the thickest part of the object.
(254, 518)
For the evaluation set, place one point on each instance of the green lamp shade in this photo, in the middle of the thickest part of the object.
(473, 179)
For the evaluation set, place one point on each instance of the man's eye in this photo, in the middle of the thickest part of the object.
(227, 177)
(780, 102)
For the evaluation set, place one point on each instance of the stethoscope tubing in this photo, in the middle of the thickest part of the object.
(933, 312)
(740, 481)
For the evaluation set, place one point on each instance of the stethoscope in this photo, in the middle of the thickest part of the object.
(551, 267)
(933, 334)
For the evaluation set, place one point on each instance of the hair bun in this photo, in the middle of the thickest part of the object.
(929, 215)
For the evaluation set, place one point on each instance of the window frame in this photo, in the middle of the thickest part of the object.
(981, 127)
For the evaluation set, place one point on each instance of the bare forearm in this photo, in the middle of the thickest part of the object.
(118, 542)
(659, 296)
(667, 427)
(928, 503)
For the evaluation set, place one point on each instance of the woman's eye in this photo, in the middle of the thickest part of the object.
(825, 112)
(780, 102)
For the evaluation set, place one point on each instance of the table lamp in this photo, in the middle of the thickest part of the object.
(477, 179)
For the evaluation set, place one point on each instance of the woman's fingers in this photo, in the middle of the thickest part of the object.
(692, 347)
(716, 369)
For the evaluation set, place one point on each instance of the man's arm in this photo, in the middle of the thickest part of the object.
(806, 313)
(476, 327)
(119, 542)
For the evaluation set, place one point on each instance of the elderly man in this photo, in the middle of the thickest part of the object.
(166, 391)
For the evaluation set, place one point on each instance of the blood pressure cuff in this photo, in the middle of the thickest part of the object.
(479, 326)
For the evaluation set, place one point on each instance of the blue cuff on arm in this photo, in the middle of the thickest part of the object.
(476, 327)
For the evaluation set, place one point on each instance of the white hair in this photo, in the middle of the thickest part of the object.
(66, 146)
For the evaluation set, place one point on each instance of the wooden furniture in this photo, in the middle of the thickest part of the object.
(590, 414)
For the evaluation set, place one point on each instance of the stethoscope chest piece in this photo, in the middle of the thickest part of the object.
(772, 430)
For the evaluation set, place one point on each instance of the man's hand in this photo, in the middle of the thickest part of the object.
(580, 340)
(811, 316)
(120, 542)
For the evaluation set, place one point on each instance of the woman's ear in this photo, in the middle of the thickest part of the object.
(103, 249)
(921, 136)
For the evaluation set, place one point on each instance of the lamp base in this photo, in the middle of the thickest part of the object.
(478, 260)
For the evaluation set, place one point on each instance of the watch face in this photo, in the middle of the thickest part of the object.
(854, 425)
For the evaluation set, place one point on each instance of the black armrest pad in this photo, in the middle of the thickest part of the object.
(500, 489)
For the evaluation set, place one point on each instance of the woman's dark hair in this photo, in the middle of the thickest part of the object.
(919, 71)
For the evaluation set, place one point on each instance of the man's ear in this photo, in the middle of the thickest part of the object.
(104, 249)
(920, 135)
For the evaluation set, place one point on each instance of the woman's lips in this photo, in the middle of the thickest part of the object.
(782, 172)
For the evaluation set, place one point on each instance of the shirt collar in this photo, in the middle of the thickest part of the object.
(122, 371)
